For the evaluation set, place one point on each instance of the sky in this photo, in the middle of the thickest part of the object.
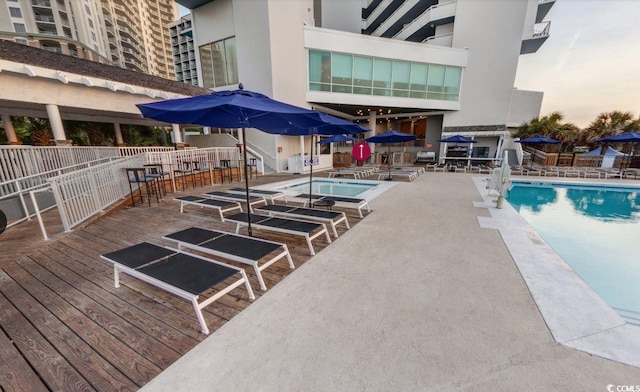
(590, 64)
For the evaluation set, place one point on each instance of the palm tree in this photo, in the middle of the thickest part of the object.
(550, 126)
(610, 124)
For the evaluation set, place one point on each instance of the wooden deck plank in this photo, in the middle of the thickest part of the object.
(98, 372)
(17, 373)
(91, 306)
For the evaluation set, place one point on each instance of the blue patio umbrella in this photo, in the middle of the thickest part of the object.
(337, 139)
(388, 138)
(246, 109)
(457, 139)
(626, 137)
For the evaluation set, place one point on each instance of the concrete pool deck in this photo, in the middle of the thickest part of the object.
(423, 294)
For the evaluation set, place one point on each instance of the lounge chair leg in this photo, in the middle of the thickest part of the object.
(335, 232)
(196, 307)
(116, 276)
(313, 252)
(263, 286)
(247, 285)
(289, 257)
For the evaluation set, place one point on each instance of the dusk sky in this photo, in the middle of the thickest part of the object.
(591, 62)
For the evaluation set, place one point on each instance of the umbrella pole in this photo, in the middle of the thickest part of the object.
(311, 171)
(389, 161)
(246, 181)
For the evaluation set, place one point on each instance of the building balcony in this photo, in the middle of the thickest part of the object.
(543, 9)
(535, 41)
(434, 16)
(41, 3)
(440, 40)
(44, 18)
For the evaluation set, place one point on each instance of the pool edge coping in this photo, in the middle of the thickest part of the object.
(575, 314)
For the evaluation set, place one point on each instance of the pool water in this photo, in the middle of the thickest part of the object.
(332, 188)
(596, 230)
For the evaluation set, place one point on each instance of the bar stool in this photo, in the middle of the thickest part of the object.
(184, 169)
(139, 176)
(227, 163)
(224, 170)
(156, 170)
(252, 167)
(198, 170)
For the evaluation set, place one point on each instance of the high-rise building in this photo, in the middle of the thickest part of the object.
(128, 33)
(184, 57)
(433, 68)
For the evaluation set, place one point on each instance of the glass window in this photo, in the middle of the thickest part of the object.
(207, 66)
(382, 76)
(419, 76)
(15, 12)
(362, 75)
(21, 41)
(19, 28)
(435, 81)
(319, 69)
(452, 83)
(341, 72)
(218, 60)
(232, 62)
(90, 23)
(86, 7)
(401, 75)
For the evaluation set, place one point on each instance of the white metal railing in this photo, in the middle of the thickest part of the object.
(442, 40)
(82, 194)
(447, 9)
(541, 29)
(395, 15)
(131, 151)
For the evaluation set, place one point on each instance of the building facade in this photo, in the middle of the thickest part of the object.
(128, 33)
(428, 67)
(183, 50)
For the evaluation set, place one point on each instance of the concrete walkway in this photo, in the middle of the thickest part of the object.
(416, 297)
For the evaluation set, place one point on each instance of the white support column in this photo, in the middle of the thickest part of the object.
(372, 125)
(118, 131)
(8, 128)
(206, 130)
(56, 125)
(176, 135)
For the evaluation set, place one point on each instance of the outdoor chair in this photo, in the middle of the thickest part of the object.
(341, 201)
(441, 167)
(272, 195)
(227, 163)
(256, 252)
(252, 167)
(139, 177)
(221, 206)
(183, 170)
(156, 170)
(332, 218)
(294, 227)
(186, 275)
(228, 196)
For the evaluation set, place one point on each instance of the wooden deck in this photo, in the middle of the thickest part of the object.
(65, 327)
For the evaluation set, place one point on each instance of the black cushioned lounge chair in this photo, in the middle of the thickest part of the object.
(182, 274)
(273, 195)
(348, 202)
(220, 205)
(332, 218)
(228, 196)
(282, 225)
(248, 250)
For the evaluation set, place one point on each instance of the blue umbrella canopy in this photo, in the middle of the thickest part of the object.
(337, 138)
(538, 140)
(247, 109)
(457, 139)
(391, 137)
(627, 137)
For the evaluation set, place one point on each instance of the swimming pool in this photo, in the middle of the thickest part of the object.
(595, 230)
(332, 187)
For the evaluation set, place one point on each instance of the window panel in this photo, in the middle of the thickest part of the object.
(435, 81)
(231, 60)
(401, 74)
(341, 69)
(419, 77)
(15, 12)
(207, 66)
(452, 80)
(218, 60)
(19, 28)
(382, 74)
(362, 72)
(319, 66)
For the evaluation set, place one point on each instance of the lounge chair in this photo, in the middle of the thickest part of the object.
(343, 201)
(282, 225)
(357, 174)
(248, 250)
(441, 167)
(186, 275)
(332, 218)
(273, 195)
(228, 196)
(408, 174)
(220, 205)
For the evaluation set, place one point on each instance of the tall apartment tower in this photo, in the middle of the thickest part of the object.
(127, 33)
(184, 57)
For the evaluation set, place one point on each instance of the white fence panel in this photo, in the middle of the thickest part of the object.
(84, 193)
